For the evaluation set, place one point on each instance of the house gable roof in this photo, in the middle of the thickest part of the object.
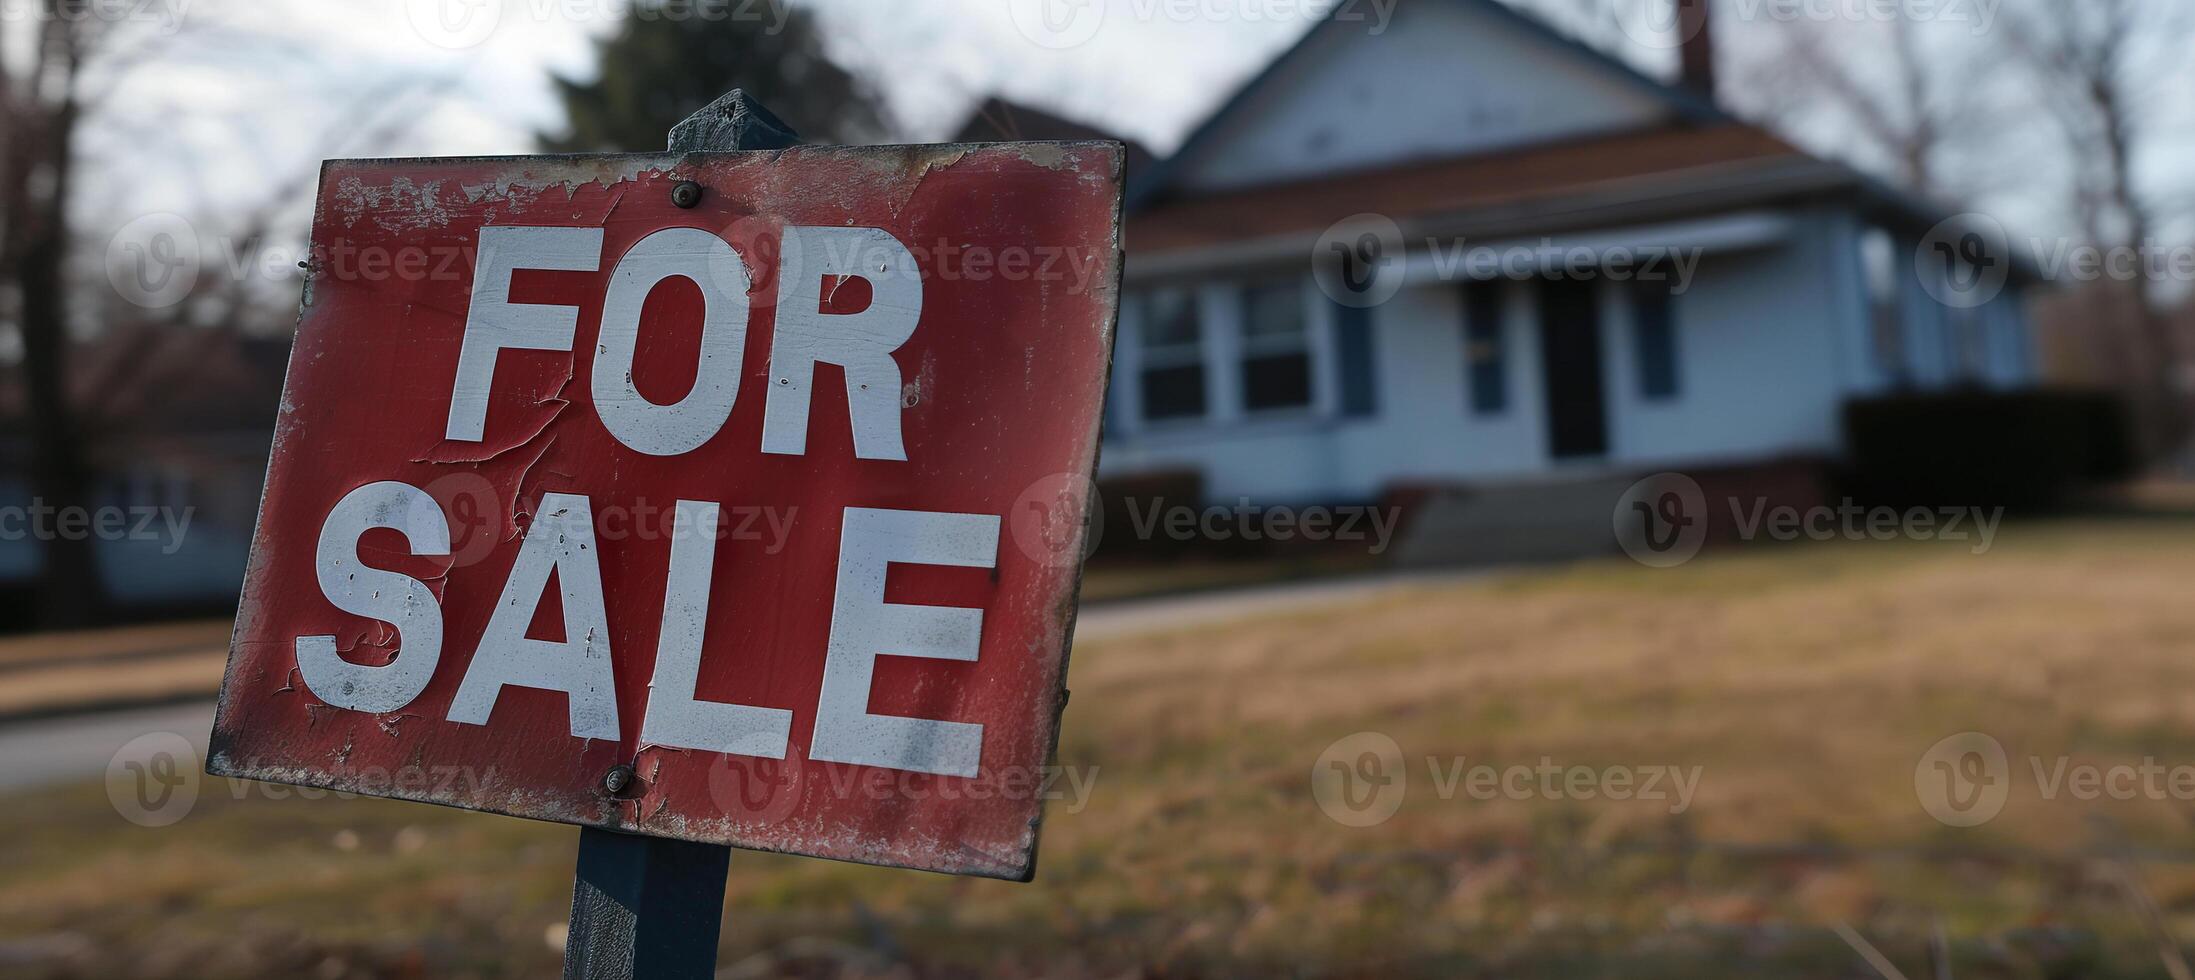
(1593, 67)
(1239, 212)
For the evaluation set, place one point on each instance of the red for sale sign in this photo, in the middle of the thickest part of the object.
(735, 497)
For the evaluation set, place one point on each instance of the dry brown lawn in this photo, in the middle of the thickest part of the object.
(1804, 683)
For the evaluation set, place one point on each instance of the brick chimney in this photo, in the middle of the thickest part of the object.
(1697, 55)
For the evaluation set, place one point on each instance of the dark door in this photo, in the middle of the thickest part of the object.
(1570, 356)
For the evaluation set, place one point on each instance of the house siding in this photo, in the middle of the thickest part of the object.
(1771, 338)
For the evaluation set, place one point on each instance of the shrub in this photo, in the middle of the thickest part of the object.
(1124, 498)
(2015, 449)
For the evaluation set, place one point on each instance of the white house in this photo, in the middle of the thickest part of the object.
(1472, 127)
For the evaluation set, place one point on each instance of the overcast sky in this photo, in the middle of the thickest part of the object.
(225, 119)
(251, 94)
(234, 112)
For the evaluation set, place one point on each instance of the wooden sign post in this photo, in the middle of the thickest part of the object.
(732, 496)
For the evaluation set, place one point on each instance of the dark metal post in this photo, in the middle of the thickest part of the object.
(644, 907)
(648, 907)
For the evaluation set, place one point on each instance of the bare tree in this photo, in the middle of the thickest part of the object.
(1974, 118)
(1898, 102)
(2107, 74)
(1902, 117)
(57, 94)
(42, 108)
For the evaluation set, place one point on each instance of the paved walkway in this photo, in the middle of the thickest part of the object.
(56, 750)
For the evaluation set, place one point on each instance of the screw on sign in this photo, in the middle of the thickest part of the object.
(686, 334)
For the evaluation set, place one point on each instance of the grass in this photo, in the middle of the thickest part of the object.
(1110, 580)
(1804, 682)
(60, 673)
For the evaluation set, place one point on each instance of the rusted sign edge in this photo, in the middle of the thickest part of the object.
(219, 762)
(866, 149)
(1071, 610)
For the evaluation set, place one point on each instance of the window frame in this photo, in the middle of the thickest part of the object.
(1889, 345)
(1298, 343)
(1486, 323)
(1194, 353)
(1657, 353)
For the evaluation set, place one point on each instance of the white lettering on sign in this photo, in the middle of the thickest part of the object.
(493, 322)
(710, 263)
(864, 626)
(675, 716)
(390, 597)
(561, 540)
(861, 343)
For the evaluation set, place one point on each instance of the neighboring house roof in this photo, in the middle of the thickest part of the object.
(996, 119)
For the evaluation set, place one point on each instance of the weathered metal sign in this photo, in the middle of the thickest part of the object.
(736, 498)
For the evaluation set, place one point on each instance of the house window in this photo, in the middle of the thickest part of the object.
(1172, 356)
(1354, 362)
(1654, 323)
(1485, 356)
(1879, 263)
(1276, 347)
(1970, 345)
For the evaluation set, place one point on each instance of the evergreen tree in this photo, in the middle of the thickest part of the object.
(668, 59)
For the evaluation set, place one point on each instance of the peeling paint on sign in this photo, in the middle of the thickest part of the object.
(567, 479)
